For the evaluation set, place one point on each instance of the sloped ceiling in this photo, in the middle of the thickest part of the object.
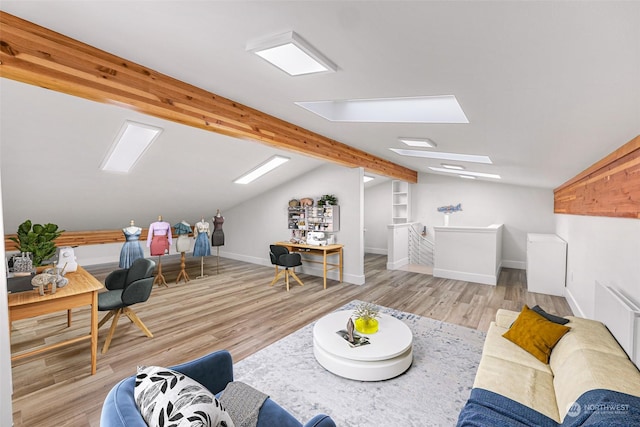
(548, 87)
(53, 145)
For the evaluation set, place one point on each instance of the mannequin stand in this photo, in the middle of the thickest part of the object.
(217, 259)
(183, 274)
(159, 277)
(201, 268)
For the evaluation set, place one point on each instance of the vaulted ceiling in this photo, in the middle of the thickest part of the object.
(548, 88)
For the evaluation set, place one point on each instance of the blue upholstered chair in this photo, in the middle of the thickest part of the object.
(214, 371)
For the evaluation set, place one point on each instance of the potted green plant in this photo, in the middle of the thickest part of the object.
(366, 318)
(37, 239)
(328, 199)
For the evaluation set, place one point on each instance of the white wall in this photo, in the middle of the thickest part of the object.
(522, 210)
(255, 224)
(600, 249)
(377, 215)
(6, 387)
(252, 226)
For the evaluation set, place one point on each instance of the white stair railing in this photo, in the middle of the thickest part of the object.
(421, 248)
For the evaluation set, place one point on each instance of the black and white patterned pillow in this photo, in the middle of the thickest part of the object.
(167, 398)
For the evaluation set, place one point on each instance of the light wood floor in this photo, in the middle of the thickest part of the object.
(234, 309)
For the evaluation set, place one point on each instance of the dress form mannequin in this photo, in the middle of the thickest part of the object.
(201, 247)
(159, 240)
(131, 250)
(183, 243)
(217, 238)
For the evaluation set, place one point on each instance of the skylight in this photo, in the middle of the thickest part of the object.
(367, 178)
(467, 173)
(130, 144)
(419, 142)
(454, 167)
(261, 169)
(420, 109)
(443, 156)
(291, 53)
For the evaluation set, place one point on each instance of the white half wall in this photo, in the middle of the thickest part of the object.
(6, 385)
(108, 253)
(472, 254)
(377, 215)
(398, 245)
(255, 224)
(599, 249)
(522, 210)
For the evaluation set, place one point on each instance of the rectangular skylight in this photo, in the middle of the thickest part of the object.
(468, 173)
(130, 144)
(454, 167)
(443, 156)
(291, 53)
(419, 109)
(261, 169)
(419, 142)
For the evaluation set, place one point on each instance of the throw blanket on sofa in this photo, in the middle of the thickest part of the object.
(243, 403)
(593, 408)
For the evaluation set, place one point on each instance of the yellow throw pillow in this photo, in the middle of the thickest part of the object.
(535, 334)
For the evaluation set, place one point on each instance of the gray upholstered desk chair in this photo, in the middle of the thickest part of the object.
(126, 287)
(281, 257)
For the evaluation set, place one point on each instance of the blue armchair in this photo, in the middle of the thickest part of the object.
(214, 371)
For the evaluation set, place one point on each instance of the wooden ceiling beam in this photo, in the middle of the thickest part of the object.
(38, 56)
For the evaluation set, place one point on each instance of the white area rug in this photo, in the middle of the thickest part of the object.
(431, 393)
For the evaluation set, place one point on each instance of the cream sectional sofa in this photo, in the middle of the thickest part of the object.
(510, 382)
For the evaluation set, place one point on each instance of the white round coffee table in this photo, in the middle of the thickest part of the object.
(388, 355)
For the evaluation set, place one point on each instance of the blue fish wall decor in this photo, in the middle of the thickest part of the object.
(450, 209)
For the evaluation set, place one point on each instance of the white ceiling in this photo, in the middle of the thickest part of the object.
(548, 87)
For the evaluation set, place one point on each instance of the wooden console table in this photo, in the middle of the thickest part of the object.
(322, 251)
(81, 290)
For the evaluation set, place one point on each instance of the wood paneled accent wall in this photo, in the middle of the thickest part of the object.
(610, 187)
(38, 56)
(80, 238)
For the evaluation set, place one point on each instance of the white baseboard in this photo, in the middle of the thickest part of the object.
(519, 265)
(396, 265)
(486, 279)
(573, 303)
(354, 279)
(245, 258)
(333, 274)
(377, 251)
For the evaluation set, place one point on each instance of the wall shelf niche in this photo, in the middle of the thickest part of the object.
(400, 202)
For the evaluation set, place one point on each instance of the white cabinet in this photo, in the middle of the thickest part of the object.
(400, 202)
(546, 264)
